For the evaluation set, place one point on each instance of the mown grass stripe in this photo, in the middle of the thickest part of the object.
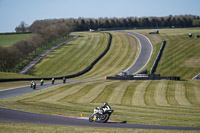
(117, 94)
(47, 94)
(128, 95)
(171, 93)
(105, 94)
(69, 91)
(119, 55)
(98, 66)
(93, 93)
(80, 91)
(180, 94)
(160, 94)
(149, 97)
(83, 56)
(138, 97)
(193, 93)
(109, 59)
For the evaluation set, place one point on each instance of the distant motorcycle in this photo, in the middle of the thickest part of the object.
(100, 115)
(34, 86)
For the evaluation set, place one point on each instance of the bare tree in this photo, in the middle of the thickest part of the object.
(23, 27)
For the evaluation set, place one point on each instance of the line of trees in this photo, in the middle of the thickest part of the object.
(49, 30)
(84, 24)
(11, 56)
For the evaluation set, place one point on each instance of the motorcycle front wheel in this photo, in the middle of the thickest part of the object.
(91, 118)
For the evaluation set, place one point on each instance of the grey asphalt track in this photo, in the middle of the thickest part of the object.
(8, 115)
(144, 55)
(22, 90)
(26, 89)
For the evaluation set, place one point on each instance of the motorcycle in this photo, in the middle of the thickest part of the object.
(100, 115)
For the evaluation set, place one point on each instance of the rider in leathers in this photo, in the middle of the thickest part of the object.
(105, 107)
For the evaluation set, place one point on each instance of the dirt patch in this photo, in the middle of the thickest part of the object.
(193, 62)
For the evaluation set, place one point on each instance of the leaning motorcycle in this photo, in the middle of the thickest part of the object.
(100, 115)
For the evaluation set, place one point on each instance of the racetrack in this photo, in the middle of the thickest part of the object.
(8, 115)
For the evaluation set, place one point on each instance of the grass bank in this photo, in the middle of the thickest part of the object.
(180, 57)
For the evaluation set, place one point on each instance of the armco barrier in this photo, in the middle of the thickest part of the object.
(148, 77)
(72, 75)
(153, 69)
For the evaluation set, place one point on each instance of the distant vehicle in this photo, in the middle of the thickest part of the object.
(155, 32)
(91, 30)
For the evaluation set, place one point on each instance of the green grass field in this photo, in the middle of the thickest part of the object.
(123, 51)
(73, 57)
(181, 56)
(32, 128)
(8, 40)
(79, 53)
(173, 103)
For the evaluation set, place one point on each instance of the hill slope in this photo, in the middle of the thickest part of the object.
(181, 55)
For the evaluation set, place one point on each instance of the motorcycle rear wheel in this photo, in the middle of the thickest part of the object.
(105, 118)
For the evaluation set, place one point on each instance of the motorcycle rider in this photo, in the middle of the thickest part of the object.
(64, 80)
(52, 81)
(41, 82)
(101, 110)
(32, 83)
(105, 107)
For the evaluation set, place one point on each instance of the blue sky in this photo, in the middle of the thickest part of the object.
(12, 12)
